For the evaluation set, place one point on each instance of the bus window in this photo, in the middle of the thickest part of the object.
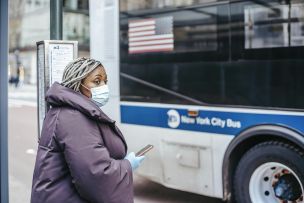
(267, 30)
(185, 72)
(251, 58)
(267, 45)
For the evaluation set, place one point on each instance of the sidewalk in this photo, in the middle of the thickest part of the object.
(25, 95)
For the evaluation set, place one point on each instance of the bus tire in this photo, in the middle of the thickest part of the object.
(267, 168)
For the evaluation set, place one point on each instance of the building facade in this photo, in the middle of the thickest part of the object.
(30, 22)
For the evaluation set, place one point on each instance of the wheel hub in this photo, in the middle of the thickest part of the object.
(274, 182)
(287, 188)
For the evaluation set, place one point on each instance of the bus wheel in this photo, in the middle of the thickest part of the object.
(270, 172)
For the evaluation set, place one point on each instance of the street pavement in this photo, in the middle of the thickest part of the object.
(26, 95)
(22, 152)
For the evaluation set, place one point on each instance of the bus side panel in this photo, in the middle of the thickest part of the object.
(180, 159)
(219, 146)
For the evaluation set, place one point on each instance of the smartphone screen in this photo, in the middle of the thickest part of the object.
(144, 150)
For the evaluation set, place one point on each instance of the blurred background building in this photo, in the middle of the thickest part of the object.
(29, 23)
(157, 4)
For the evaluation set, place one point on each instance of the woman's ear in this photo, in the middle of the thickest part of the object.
(85, 91)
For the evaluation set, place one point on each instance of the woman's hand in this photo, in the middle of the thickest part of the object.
(134, 160)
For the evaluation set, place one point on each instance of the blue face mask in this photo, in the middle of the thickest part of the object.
(100, 95)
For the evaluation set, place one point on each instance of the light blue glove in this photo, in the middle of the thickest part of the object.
(134, 160)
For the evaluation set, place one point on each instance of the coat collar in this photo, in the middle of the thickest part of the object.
(59, 95)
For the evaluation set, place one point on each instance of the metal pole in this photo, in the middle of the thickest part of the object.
(3, 100)
(56, 19)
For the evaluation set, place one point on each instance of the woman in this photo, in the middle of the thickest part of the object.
(82, 154)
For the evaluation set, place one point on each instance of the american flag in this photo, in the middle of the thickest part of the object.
(151, 35)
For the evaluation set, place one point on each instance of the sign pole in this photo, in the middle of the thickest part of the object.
(4, 99)
(56, 19)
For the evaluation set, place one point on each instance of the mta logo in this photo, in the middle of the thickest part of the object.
(173, 118)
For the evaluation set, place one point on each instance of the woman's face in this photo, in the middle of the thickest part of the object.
(96, 78)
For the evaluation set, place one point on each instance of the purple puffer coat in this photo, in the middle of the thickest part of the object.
(80, 154)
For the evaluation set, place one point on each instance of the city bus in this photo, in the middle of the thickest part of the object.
(217, 87)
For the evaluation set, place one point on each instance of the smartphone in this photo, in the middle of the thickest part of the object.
(144, 150)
